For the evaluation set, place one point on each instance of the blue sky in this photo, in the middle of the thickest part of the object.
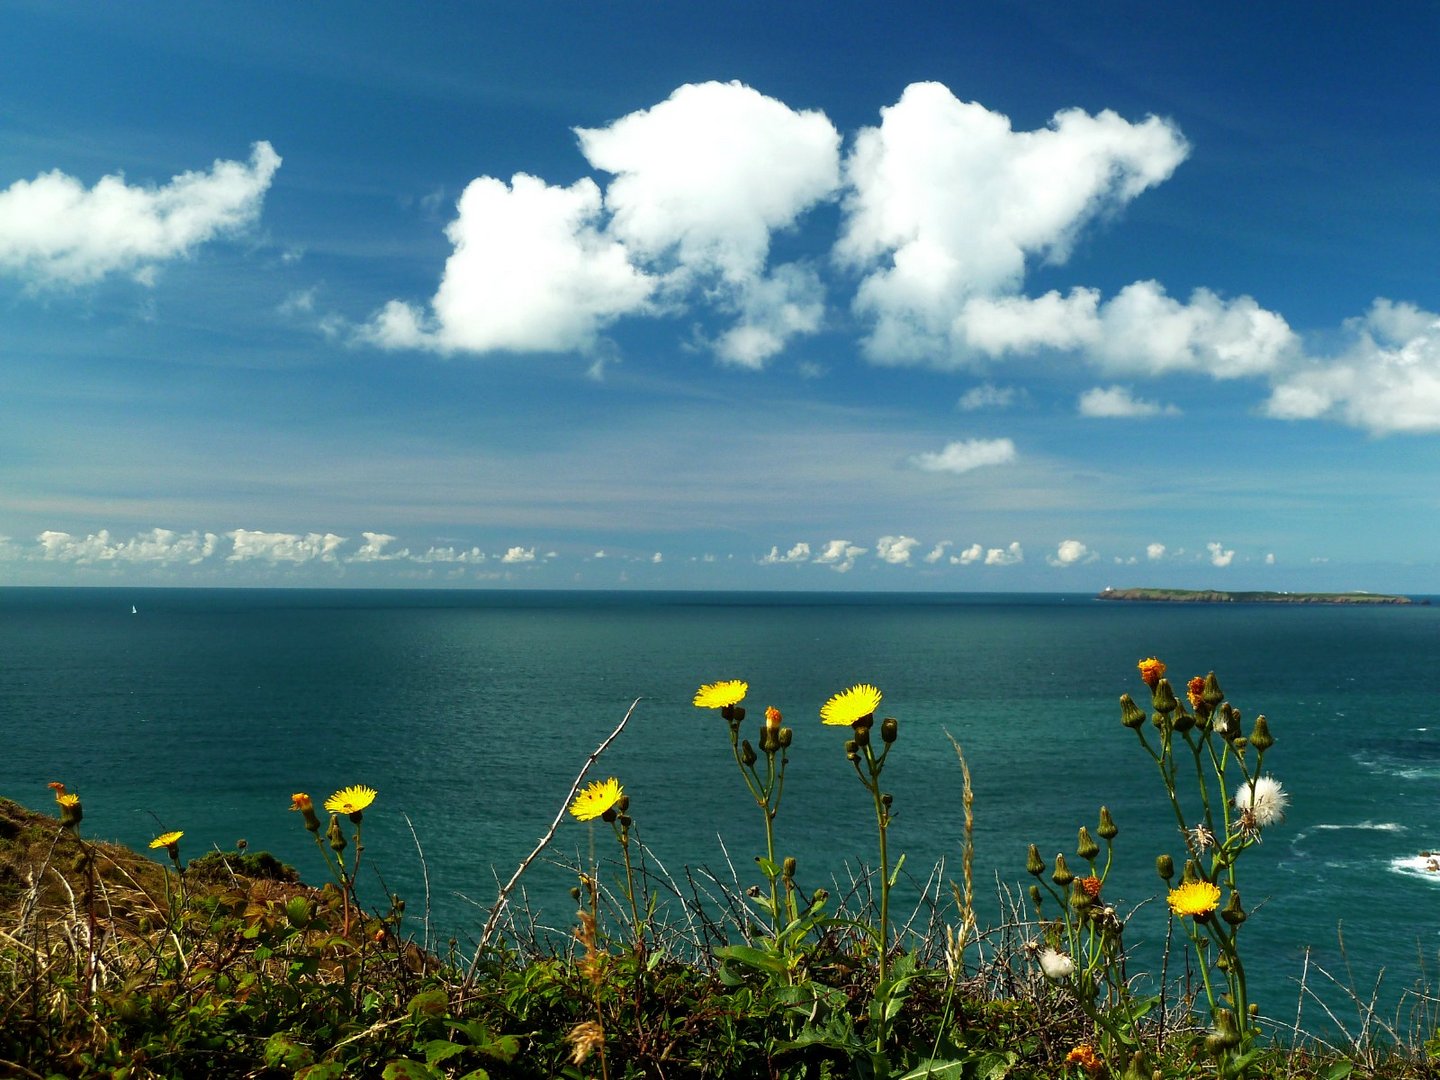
(912, 296)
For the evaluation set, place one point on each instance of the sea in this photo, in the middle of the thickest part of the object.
(472, 712)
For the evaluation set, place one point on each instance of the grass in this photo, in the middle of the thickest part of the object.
(115, 965)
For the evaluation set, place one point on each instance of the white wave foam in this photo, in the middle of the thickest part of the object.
(1425, 865)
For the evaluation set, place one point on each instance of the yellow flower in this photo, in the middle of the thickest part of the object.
(166, 839)
(351, 800)
(850, 706)
(596, 799)
(1151, 671)
(70, 799)
(1084, 1055)
(1197, 898)
(301, 801)
(719, 695)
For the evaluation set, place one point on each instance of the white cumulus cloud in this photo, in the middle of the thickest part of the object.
(1154, 552)
(839, 555)
(1071, 552)
(55, 231)
(273, 547)
(949, 202)
(799, 553)
(1006, 556)
(518, 555)
(964, 455)
(373, 549)
(896, 550)
(986, 396)
(1219, 554)
(1387, 380)
(531, 272)
(1118, 402)
(972, 554)
(938, 551)
(155, 546)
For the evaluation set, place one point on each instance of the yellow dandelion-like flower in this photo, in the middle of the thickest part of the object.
(70, 799)
(719, 695)
(851, 705)
(594, 800)
(350, 800)
(166, 839)
(1197, 898)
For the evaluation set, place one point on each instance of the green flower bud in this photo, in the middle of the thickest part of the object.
(1260, 737)
(1212, 693)
(1184, 721)
(1164, 697)
(785, 734)
(887, 800)
(862, 735)
(889, 729)
(1062, 875)
(1033, 863)
(1131, 715)
(787, 868)
(1107, 829)
(1165, 867)
(1036, 899)
(747, 753)
(1190, 874)
(1086, 848)
(334, 835)
(1232, 912)
(769, 741)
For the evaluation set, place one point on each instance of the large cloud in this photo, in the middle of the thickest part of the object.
(701, 180)
(155, 546)
(55, 231)
(948, 202)
(530, 272)
(1387, 380)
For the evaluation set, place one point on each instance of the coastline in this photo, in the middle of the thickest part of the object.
(1216, 596)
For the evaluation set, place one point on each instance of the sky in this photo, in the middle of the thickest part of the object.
(917, 296)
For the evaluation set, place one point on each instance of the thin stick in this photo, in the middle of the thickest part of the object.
(425, 872)
(503, 898)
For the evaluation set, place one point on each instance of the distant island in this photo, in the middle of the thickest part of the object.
(1215, 596)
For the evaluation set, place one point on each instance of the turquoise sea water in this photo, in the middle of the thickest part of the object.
(471, 712)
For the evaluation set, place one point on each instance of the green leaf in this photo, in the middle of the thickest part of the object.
(749, 956)
(410, 1070)
(895, 874)
(1339, 1070)
(327, 1070)
(429, 1003)
(438, 1050)
(936, 1069)
(283, 1052)
(995, 1066)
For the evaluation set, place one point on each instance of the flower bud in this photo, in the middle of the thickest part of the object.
(1164, 697)
(783, 736)
(1036, 899)
(1165, 867)
(747, 753)
(1107, 829)
(1087, 849)
(1232, 912)
(1260, 737)
(609, 815)
(1062, 875)
(889, 729)
(1191, 873)
(787, 868)
(772, 718)
(851, 746)
(1033, 863)
(1184, 721)
(887, 800)
(337, 839)
(862, 735)
(1131, 715)
(1212, 692)
(769, 741)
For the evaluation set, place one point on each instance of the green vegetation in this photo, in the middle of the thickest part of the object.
(114, 965)
(1215, 596)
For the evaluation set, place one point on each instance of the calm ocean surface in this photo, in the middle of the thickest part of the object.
(471, 712)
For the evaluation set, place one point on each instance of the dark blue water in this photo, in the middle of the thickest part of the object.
(471, 712)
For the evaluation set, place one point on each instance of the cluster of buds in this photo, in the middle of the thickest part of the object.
(1208, 709)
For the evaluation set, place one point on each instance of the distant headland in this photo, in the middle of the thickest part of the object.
(1214, 596)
